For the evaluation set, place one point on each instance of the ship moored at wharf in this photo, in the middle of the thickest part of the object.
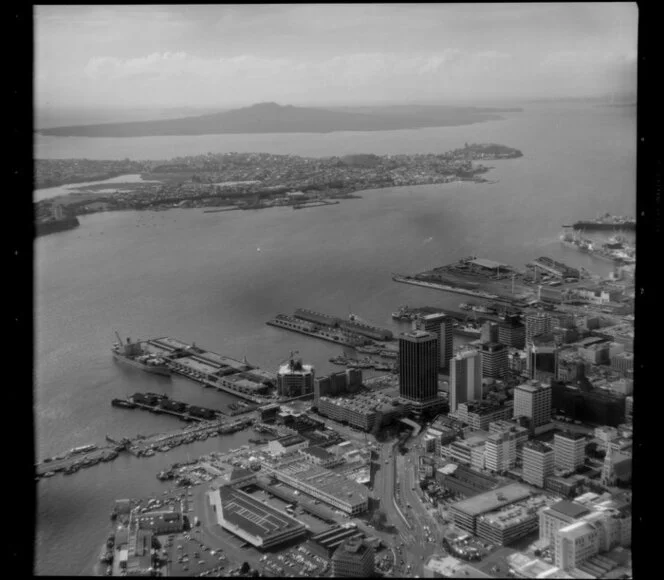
(133, 354)
(239, 378)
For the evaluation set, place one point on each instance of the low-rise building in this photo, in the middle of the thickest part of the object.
(465, 513)
(479, 414)
(319, 456)
(288, 445)
(256, 523)
(467, 451)
(327, 486)
(508, 524)
(464, 481)
(580, 529)
(162, 521)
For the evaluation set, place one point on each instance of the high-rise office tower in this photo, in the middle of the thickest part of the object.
(494, 359)
(465, 378)
(512, 332)
(440, 325)
(489, 332)
(537, 323)
(542, 360)
(418, 370)
(533, 400)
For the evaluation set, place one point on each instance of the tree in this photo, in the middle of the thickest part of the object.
(244, 569)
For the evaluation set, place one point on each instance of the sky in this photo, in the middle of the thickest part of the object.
(348, 54)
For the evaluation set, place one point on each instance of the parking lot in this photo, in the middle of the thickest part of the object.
(297, 561)
(188, 555)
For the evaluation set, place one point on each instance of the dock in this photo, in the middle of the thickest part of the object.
(238, 378)
(336, 338)
(489, 280)
(140, 445)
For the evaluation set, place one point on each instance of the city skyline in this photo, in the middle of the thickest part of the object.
(232, 56)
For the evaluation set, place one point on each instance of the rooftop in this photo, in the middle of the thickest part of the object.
(487, 263)
(537, 446)
(253, 516)
(318, 452)
(570, 509)
(290, 440)
(533, 386)
(416, 335)
(324, 480)
(516, 513)
(570, 435)
(492, 500)
(352, 546)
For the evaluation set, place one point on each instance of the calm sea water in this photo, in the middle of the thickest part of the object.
(199, 277)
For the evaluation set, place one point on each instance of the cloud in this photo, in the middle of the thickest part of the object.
(356, 67)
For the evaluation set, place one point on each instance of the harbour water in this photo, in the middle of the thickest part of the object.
(199, 277)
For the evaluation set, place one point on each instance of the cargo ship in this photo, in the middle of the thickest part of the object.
(614, 251)
(132, 354)
(606, 222)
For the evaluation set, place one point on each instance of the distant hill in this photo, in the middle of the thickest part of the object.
(274, 118)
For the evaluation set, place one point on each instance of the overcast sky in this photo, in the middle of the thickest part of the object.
(222, 56)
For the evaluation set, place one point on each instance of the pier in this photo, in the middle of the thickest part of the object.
(139, 446)
(162, 405)
(238, 378)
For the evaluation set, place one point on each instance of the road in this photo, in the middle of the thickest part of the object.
(420, 514)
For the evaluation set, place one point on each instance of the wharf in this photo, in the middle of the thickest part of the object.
(73, 462)
(487, 280)
(140, 445)
(315, 204)
(157, 410)
(166, 441)
(208, 368)
(216, 385)
(337, 339)
(221, 209)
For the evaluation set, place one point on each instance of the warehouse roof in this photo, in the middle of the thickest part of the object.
(487, 263)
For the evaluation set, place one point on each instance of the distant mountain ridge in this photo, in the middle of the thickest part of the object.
(274, 118)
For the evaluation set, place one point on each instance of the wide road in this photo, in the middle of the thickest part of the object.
(420, 514)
